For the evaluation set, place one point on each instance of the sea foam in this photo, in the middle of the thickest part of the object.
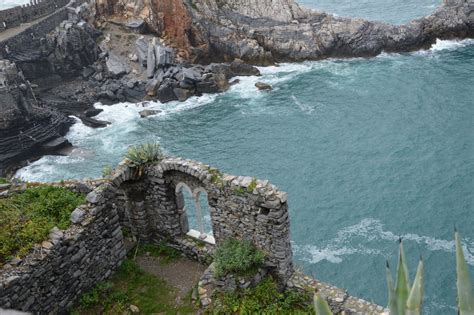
(366, 237)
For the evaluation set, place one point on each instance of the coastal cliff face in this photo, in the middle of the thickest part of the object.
(264, 32)
(26, 129)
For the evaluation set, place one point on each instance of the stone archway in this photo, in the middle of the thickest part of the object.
(240, 207)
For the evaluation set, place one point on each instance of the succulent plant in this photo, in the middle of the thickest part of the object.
(144, 153)
(321, 306)
(465, 296)
(408, 300)
(403, 299)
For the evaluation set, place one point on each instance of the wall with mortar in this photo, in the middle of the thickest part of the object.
(148, 201)
(58, 271)
(27, 42)
(29, 39)
(240, 207)
(29, 12)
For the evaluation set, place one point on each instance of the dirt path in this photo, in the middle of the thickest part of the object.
(182, 273)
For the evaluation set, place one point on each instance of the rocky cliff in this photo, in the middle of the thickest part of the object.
(265, 31)
(26, 129)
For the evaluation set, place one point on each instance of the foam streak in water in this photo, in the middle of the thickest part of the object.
(371, 233)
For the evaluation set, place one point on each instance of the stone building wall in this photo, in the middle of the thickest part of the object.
(28, 40)
(240, 207)
(55, 273)
(148, 202)
(29, 12)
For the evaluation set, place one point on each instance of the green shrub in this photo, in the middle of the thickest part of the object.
(3, 180)
(144, 154)
(238, 257)
(107, 171)
(252, 186)
(27, 218)
(263, 299)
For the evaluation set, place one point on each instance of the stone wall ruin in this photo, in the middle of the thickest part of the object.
(148, 202)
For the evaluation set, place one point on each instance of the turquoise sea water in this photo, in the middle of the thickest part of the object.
(368, 149)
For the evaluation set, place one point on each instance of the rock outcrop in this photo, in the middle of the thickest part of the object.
(26, 129)
(265, 31)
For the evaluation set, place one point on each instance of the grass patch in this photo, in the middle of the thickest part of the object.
(263, 299)
(216, 177)
(252, 186)
(107, 171)
(27, 218)
(132, 286)
(237, 257)
(4, 180)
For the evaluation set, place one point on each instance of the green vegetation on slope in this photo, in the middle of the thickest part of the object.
(263, 299)
(26, 218)
(132, 287)
(237, 257)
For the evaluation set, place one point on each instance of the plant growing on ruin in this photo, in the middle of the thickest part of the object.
(107, 171)
(240, 191)
(265, 298)
(252, 185)
(237, 257)
(249, 189)
(27, 218)
(144, 154)
(216, 177)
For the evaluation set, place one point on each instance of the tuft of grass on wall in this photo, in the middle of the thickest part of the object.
(263, 299)
(237, 257)
(26, 218)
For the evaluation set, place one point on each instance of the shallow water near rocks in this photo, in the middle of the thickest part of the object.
(368, 149)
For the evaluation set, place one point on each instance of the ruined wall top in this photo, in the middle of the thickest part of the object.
(28, 12)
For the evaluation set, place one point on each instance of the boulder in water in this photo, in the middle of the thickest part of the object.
(263, 86)
(149, 112)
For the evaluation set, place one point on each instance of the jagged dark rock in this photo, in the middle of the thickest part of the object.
(148, 112)
(264, 32)
(263, 86)
(27, 130)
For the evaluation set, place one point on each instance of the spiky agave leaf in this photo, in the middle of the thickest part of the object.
(321, 306)
(465, 296)
(392, 300)
(144, 153)
(402, 287)
(415, 299)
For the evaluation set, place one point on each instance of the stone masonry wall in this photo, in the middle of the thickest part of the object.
(240, 207)
(148, 201)
(29, 12)
(51, 278)
(27, 42)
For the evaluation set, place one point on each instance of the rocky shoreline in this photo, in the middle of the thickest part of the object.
(147, 50)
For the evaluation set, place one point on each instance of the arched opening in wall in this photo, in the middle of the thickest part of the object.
(196, 220)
